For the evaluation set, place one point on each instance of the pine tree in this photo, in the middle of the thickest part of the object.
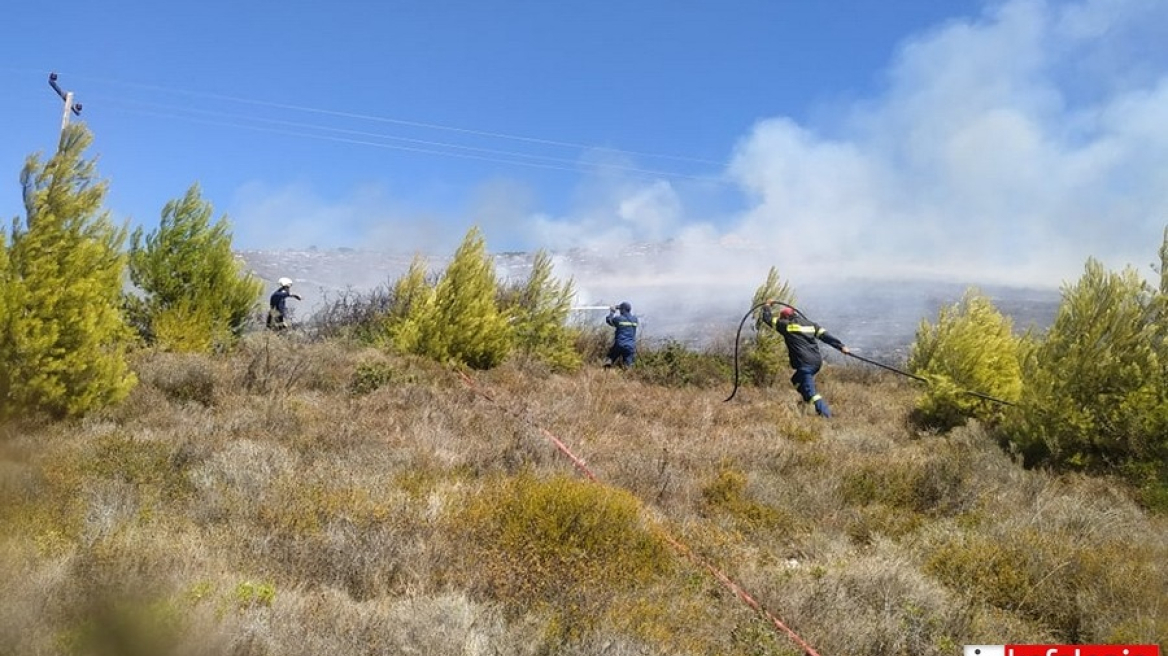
(63, 338)
(539, 309)
(971, 347)
(1095, 386)
(765, 362)
(463, 323)
(410, 301)
(196, 296)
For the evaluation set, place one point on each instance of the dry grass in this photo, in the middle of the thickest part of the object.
(297, 498)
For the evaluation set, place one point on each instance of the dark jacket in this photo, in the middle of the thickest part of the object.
(800, 339)
(279, 300)
(626, 329)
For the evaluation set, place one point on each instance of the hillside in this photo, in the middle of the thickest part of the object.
(313, 498)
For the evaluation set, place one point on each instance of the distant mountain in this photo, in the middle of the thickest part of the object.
(675, 297)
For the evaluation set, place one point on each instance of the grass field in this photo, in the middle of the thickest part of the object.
(298, 498)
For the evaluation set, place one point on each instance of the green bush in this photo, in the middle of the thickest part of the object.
(1097, 390)
(971, 348)
(930, 485)
(672, 364)
(196, 296)
(539, 310)
(369, 377)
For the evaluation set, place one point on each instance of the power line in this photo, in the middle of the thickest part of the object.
(428, 151)
(423, 146)
(405, 122)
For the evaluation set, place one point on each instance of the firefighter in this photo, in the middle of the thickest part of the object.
(278, 310)
(624, 343)
(803, 349)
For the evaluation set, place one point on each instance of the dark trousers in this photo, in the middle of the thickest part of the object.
(804, 382)
(622, 355)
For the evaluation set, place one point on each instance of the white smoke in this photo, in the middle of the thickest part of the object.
(1006, 149)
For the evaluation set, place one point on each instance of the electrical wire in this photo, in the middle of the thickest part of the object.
(424, 146)
(398, 121)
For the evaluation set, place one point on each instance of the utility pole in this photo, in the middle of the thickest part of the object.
(66, 96)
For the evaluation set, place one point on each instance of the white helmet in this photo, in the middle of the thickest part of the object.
(285, 282)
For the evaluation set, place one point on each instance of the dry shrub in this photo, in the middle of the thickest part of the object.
(592, 343)
(922, 484)
(327, 622)
(181, 377)
(726, 493)
(344, 539)
(869, 605)
(672, 364)
(1079, 567)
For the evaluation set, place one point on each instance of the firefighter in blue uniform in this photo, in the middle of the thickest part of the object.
(803, 350)
(624, 344)
(277, 305)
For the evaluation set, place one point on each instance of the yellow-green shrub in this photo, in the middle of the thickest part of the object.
(410, 299)
(559, 542)
(1078, 586)
(726, 493)
(765, 360)
(63, 339)
(971, 348)
(1097, 388)
(463, 323)
(539, 310)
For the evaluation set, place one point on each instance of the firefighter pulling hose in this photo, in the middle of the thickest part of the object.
(800, 338)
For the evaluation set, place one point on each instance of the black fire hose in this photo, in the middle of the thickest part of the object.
(979, 395)
(738, 336)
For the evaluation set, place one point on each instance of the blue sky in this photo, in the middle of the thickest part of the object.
(1003, 141)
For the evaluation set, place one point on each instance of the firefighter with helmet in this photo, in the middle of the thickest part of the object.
(803, 351)
(278, 310)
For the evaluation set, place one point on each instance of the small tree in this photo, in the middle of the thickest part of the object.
(410, 300)
(540, 308)
(767, 358)
(63, 339)
(463, 323)
(196, 295)
(1096, 396)
(972, 347)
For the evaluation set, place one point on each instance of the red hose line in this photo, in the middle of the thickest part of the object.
(718, 574)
